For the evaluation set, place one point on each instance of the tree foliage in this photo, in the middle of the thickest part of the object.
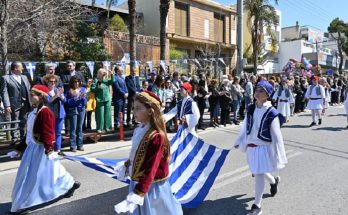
(87, 45)
(117, 24)
(30, 29)
(260, 14)
(339, 30)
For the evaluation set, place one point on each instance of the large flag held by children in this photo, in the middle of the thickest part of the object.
(193, 167)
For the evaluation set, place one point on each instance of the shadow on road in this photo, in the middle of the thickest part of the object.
(295, 126)
(330, 128)
(341, 114)
(235, 205)
(96, 204)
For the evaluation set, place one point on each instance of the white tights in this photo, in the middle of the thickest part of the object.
(315, 113)
(260, 186)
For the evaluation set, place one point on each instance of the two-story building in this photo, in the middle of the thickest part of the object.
(203, 29)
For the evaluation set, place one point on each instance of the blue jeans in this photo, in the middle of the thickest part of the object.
(119, 106)
(236, 106)
(76, 135)
(59, 127)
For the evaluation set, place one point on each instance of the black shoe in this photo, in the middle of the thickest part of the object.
(216, 124)
(319, 121)
(312, 124)
(347, 127)
(236, 122)
(73, 149)
(61, 153)
(255, 210)
(274, 187)
(70, 193)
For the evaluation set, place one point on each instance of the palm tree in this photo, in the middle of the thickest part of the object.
(132, 48)
(164, 8)
(260, 14)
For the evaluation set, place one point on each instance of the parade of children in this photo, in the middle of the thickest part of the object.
(251, 110)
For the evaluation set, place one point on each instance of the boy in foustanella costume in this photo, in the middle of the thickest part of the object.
(316, 100)
(40, 178)
(261, 139)
(186, 109)
(148, 164)
(285, 99)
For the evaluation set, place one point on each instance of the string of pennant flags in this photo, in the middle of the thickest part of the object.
(31, 66)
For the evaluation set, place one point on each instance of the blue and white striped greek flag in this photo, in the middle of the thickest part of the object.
(193, 168)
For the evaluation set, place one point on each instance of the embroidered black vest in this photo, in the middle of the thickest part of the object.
(264, 132)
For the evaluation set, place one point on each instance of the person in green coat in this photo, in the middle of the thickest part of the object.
(101, 88)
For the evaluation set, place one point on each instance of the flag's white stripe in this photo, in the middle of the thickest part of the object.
(197, 186)
(176, 186)
(95, 161)
(173, 166)
(178, 141)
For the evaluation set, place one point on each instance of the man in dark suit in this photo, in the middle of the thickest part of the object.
(15, 92)
(133, 87)
(50, 70)
(119, 96)
(65, 79)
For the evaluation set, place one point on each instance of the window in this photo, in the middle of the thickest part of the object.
(181, 19)
(219, 27)
(206, 28)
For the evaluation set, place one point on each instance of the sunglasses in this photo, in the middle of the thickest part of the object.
(53, 81)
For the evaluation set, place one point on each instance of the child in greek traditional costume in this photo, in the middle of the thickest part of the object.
(148, 164)
(186, 110)
(285, 99)
(316, 100)
(260, 137)
(40, 178)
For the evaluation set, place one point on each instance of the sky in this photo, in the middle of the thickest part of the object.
(316, 13)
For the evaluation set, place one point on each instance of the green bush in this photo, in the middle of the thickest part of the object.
(117, 24)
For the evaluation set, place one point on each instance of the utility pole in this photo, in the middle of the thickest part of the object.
(240, 49)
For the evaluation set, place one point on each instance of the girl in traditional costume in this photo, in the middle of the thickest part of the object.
(148, 164)
(40, 178)
(261, 139)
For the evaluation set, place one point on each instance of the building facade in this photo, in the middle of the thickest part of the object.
(204, 30)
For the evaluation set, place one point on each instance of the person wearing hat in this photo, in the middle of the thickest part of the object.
(186, 109)
(259, 136)
(316, 99)
(40, 178)
(285, 98)
(148, 163)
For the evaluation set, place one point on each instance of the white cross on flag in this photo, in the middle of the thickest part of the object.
(90, 65)
(31, 66)
(106, 65)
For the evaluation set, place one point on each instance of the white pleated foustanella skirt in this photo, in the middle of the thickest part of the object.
(260, 159)
(284, 108)
(315, 104)
(159, 200)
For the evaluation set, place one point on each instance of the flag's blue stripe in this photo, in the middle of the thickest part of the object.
(186, 162)
(177, 135)
(181, 147)
(198, 171)
(98, 168)
(110, 162)
(208, 183)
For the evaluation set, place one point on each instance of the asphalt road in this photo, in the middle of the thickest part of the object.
(313, 182)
